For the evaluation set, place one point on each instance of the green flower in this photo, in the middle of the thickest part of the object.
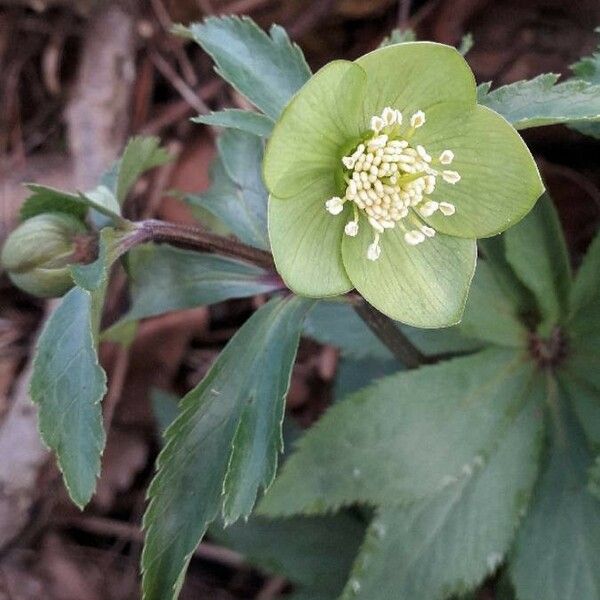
(383, 172)
(38, 252)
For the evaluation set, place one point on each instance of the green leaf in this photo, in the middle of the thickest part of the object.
(244, 120)
(242, 155)
(163, 279)
(536, 250)
(588, 69)
(237, 195)
(68, 383)
(103, 200)
(353, 375)
(140, 155)
(493, 251)
(398, 36)
(94, 276)
(46, 199)
(585, 400)
(543, 101)
(583, 325)
(315, 553)
(594, 483)
(466, 43)
(223, 446)
(422, 286)
(335, 322)
(390, 442)
(491, 314)
(449, 542)
(557, 553)
(268, 70)
(122, 332)
(584, 319)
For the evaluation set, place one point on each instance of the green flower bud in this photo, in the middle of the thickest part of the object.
(37, 253)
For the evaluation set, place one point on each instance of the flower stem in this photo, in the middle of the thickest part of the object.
(390, 335)
(186, 236)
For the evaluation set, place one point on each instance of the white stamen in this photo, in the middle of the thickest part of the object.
(429, 208)
(447, 209)
(334, 205)
(418, 119)
(351, 228)
(377, 124)
(374, 249)
(390, 180)
(349, 162)
(377, 142)
(414, 237)
(423, 153)
(376, 225)
(389, 115)
(446, 157)
(451, 176)
(359, 151)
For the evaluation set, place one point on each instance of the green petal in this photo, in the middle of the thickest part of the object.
(315, 129)
(306, 241)
(423, 286)
(500, 181)
(415, 76)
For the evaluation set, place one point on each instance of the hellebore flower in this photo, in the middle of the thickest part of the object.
(382, 174)
(37, 253)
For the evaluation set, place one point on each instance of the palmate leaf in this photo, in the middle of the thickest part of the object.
(493, 250)
(398, 36)
(335, 322)
(389, 442)
(140, 155)
(584, 319)
(543, 101)
(244, 120)
(67, 381)
(353, 375)
(164, 279)
(491, 314)
(449, 542)
(46, 199)
(557, 553)
(594, 483)
(237, 195)
(537, 252)
(268, 70)
(223, 446)
(588, 69)
(314, 553)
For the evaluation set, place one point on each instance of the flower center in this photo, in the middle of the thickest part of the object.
(389, 181)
